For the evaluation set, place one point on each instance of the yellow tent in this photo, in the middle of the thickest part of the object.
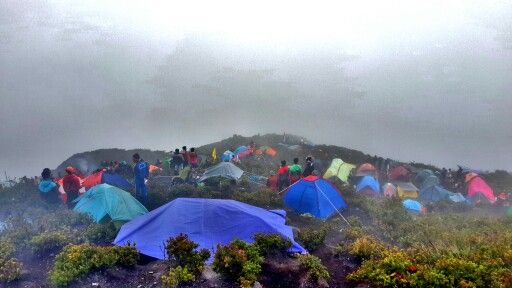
(406, 190)
(339, 169)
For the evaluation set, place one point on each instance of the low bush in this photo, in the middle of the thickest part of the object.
(100, 233)
(177, 276)
(272, 244)
(311, 238)
(49, 242)
(182, 250)
(314, 267)
(366, 247)
(260, 198)
(238, 261)
(10, 268)
(77, 260)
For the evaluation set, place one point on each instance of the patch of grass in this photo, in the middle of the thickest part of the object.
(49, 242)
(261, 198)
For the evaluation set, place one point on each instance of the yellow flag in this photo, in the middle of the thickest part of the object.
(214, 154)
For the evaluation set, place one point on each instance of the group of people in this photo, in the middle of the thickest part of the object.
(289, 174)
(183, 158)
(49, 188)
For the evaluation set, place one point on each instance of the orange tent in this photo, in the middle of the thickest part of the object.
(366, 167)
(153, 169)
(271, 152)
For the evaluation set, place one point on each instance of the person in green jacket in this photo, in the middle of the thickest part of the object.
(295, 171)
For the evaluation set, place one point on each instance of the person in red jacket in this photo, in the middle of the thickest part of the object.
(192, 158)
(71, 185)
(272, 181)
(283, 176)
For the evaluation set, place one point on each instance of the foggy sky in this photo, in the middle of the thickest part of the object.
(429, 82)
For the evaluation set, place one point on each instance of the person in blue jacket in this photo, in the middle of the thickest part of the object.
(140, 174)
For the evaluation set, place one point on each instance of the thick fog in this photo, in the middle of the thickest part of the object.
(429, 81)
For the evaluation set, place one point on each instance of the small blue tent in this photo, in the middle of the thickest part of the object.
(315, 196)
(368, 182)
(435, 193)
(240, 149)
(116, 180)
(413, 206)
(207, 222)
(227, 156)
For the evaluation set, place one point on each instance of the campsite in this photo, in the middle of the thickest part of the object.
(364, 234)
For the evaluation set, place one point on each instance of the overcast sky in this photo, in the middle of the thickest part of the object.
(429, 81)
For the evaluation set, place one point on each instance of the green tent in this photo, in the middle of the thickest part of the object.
(105, 202)
(509, 212)
(339, 169)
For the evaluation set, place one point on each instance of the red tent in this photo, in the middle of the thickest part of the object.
(398, 172)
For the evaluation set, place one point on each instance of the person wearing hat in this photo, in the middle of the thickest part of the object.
(140, 174)
(71, 185)
(48, 189)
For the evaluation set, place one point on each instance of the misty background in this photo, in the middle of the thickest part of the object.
(425, 81)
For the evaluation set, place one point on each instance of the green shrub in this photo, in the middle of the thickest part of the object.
(10, 268)
(366, 247)
(177, 276)
(77, 260)
(312, 238)
(261, 198)
(48, 242)
(183, 251)
(238, 261)
(100, 233)
(314, 267)
(269, 244)
(353, 233)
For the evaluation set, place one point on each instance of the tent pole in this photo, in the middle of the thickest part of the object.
(287, 187)
(339, 213)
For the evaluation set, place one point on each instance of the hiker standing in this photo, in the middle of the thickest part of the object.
(49, 190)
(192, 158)
(283, 176)
(310, 167)
(71, 185)
(185, 154)
(177, 162)
(272, 181)
(140, 174)
(295, 171)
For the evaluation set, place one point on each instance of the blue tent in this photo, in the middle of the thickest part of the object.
(315, 196)
(116, 180)
(412, 206)
(208, 222)
(431, 180)
(105, 202)
(422, 176)
(368, 182)
(434, 193)
(240, 149)
(227, 156)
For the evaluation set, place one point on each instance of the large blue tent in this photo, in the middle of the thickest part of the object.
(315, 196)
(368, 182)
(208, 222)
